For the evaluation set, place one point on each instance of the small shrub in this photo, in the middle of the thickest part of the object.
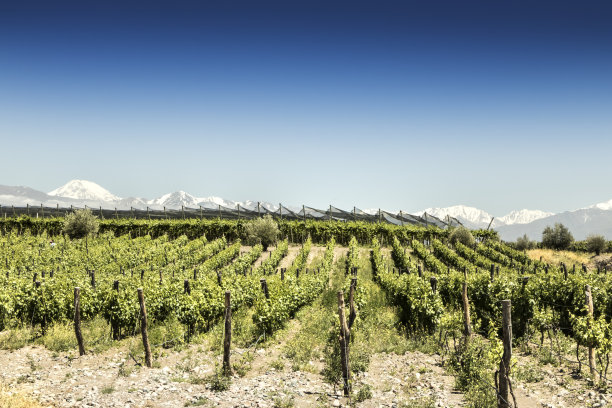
(528, 373)
(108, 390)
(596, 243)
(283, 402)
(463, 235)
(243, 365)
(80, 224)
(364, 393)
(523, 243)
(262, 231)
(278, 365)
(218, 382)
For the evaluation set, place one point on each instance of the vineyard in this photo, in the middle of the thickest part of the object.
(332, 315)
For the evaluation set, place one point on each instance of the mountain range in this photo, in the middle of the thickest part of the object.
(595, 219)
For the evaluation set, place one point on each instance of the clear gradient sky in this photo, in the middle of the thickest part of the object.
(500, 105)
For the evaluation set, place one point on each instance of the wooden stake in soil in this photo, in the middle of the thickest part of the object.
(264, 288)
(467, 323)
(352, 312)
(589, 305)
(114, 322)
(433, 281)
(344, 338)
(143, 328)
(227, 339)
(77, 320)
(503, 398)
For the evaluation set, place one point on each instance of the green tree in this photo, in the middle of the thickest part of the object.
(81, 224)
(558, 237)
(462, 235)
(596, 243)
(262, 231)
(523, 243)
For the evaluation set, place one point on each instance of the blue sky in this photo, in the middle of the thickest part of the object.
(398, 105)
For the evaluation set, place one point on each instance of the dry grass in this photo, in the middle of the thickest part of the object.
(569, 258)
(13, 399)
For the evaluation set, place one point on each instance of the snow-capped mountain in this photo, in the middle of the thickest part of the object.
(214, 202)
(473, 216)
(176, 200)
(523, 216)
(603, 206)
(596, 218)
(581, 223)
(84, 190)
(132, 202)
(476, 218)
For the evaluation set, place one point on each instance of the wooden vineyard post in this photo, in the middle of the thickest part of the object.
(227, 338)
(503, 396)
(467, 324)
(433, 281)
(77, 320)
(344, 338)
(589, 305)
(186, 287)
(264, 288)
(352, 312)
(143, 328)
(114, 322)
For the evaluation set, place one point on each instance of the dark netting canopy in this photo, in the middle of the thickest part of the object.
(254, 210)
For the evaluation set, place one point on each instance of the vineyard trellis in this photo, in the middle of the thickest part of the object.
(227, 213)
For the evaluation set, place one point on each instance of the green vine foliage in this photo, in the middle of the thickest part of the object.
(288, 296)
(295, 231)
(421, 308)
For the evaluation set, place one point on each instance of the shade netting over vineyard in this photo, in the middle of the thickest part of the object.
(240, 212)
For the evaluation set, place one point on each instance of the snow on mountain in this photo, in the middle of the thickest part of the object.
(594, 219)
(134, 202)
(581, 223)
(603, 206)
(215, 202)
(84, 190)
(473, 216)
(523, 216)
(176, 200)
(252, 205)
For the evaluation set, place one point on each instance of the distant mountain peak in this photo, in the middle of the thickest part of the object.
(462, 212)
(84, 190)
(523, 216)
(177, 199)
(603, 206)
